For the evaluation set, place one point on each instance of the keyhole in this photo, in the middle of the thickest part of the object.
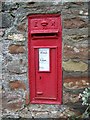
(40, 77)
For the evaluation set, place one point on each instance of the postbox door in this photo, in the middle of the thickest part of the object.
(46, 73)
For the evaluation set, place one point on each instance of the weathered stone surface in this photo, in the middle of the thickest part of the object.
(0, 6)
(72, 12)
(6, 20)
(70, 98)
(14, 105)
(16, 49)
(8, 58)
(18, 67)
(9, 6)
(5, 7)
(56, 1)
(16, 37)
(70, 112)
(54, 114)
(2, 32)
(25, 113)
(74, 23)
(9, 114)
(76, 31)
(45, 7)
(46, 107)
(11, 95)
(76, 38)
(75, 52)
(0, 100)
(21, 27)
(63, 115)
(75, 66)
(0, 50)
(1, 61)
(76, 82)
(41, 115)
(12, 101)
(27, 98)
(17, 85)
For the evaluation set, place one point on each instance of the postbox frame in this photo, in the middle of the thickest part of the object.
(30, 73)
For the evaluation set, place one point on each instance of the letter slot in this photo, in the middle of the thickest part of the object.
(44, 35)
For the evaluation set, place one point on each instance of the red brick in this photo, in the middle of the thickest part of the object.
(17, 85)
(15, 105)
(69, 52)
(16, 49)
(76, 82)
(74, 23)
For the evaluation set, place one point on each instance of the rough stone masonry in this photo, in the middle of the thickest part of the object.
(14, 60)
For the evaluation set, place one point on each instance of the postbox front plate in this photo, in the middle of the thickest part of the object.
(46, 78)
(44, 58)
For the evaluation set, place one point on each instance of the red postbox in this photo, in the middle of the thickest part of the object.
(45, 58)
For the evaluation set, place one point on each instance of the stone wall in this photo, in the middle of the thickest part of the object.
(14, 38)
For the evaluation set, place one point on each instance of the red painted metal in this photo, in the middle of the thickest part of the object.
(45, 37)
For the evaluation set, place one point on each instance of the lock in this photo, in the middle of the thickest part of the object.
(40, 77)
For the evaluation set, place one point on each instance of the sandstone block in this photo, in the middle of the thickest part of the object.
(75, 66)
(16, 37)
(17, 85)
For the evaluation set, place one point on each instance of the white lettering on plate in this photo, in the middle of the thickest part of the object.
(44, 59)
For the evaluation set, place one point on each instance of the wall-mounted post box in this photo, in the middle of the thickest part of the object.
(45, 58)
